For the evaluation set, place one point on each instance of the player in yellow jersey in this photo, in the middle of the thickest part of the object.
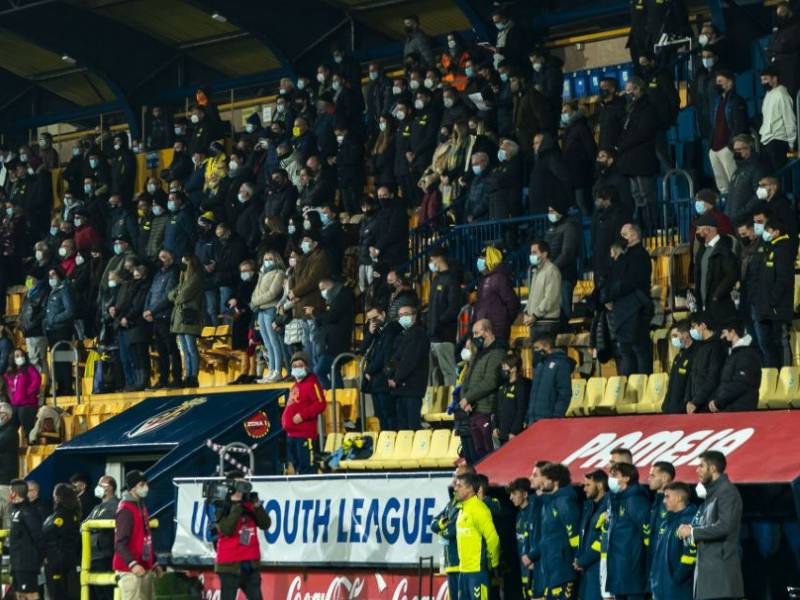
(476, 538)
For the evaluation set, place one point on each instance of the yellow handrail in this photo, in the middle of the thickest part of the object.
(87, 577)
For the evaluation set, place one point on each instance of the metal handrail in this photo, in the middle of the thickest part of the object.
(665, 195)
(53, 361)
(336, 360)
(237, 447)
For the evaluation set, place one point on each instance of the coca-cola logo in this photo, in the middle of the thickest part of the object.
(402, 587)
(340, 588)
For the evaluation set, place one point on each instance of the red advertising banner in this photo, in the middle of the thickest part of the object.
(327, 585)
(761, 447)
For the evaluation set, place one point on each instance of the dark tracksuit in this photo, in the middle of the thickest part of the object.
(658, 513)
(525, 537)
(628, 539)
(673, 559)
(512, 404)
(589, 548)
(62, 544)
(445, 526)
(675, 400)
(25, 547)
(558, 543)
(773, 302)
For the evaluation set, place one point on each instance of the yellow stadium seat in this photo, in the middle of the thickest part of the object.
(439, 448)
(383, 449)
(634, 392)
(575, 407)
(787, 390)
(420, 449)
(595, 389)
(402, 450)
(769, 383)
(654, 394)
(332, 442)
(612, 395)
(452, 453)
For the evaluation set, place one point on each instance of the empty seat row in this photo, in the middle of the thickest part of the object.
(401, 450)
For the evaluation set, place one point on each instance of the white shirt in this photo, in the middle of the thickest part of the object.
(713, 242)
(779, 121)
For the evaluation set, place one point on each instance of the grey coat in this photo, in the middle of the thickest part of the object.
(718, 573)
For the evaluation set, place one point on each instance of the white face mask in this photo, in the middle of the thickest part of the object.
(79, 260)
(19, 360)
(99, 492)
(701, 490)
(466, 354)
(194, 119)
(141, 491)
(151, 188)
(62, 252)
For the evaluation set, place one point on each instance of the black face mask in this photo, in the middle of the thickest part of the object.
(720, 89)
(478, 342)
(744, 240)
(737, 157)
(699, 238)
(443, 138)
(766, 86)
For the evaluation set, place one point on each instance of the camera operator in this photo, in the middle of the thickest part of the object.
(238, 552)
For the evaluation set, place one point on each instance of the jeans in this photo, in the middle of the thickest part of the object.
(126, 358)
(759, 333)
(301, 455)
(191, 358)
(308, 340)
(212, 307)
(322, 369)
(272, 342)
(408, 412)
(248, 582)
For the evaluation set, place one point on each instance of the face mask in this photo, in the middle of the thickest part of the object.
(478, 342)
(157, 210)
(76, 152)
(301, 84)
(373, 75)
(695, 334)
(432, 267)
(537, 66)
(762, 193)
(320, 77)
(112, 283)
(246, 275)
(62, 252)
(481, 264)
(293, 262)
(269, 265)
(565, 118)
(451, 44)
(79, 260)
(53, 282)
(151, 188)
(701, 491)
(305, 247)
(19, 361)
(93, 163)
(553, 217)
(324, 218)
(699, 207)
(448, 102)
(340, 139)
(99, 492)
(419, 104)
(613, 485)
(767, 236)
(336, 86)
(414, 84)
(291, 229)
(401, 115)
(87, 188)
(10, 211)
(504, 77)
(466, 354)
(195, 119)
(325, 294)
(500, 26)
(406, 321)
(676, 342)
(501, 155)
(178, 131)
(242, 198)
(477, 169)
(233, 165)
(23, 156)
(117, 249)
(306, 225)
(142, 491)
(397, 90)
(382, 125)
(469, 72)
(39, 254)
(758, 228)
(117, 146)
(708, 62)
(702, 39)
(172, 206)
(534, 259)
(299, 373)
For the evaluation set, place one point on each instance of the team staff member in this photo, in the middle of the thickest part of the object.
(102, 540)
(477, 540)
(518, 492)
(238, 550)
(560, 536)
(628, 534)
(680, 338)
(24, 543)
(662, 473)
(62, 544)
(673, 559)
(299, 420)
(134, 559)
(774, 296)
(587, 558)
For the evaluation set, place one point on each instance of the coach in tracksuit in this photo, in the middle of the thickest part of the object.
(519, 492)
(25, 543)
(671, 574)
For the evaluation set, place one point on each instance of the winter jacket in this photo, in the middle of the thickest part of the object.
(476, 205)
(736, 119)
(628, 538)
(560, 535)
(544, 292)
(673, 558)
(61, 538)
(180, 233)
(409, 364)
(742, 191)
(628, 288)
(130, 306)
(610, 119)
(157, 300)
(721, 278)
(783, 52)
(482, 380)
(350, 163)
(705, 371)
(417, 42)
(552, 387)
(32, 313)
(497, 301)
(392, 233)
(444, 306)
(25, 543)
(383, 164)
(565, 239)
(445, 526)
(579, 150)
(678, 386)
(187, 299)
(377, 349)
(22, 385)
(606, 226)
(311, 268)
(60, 309)
(367, 236)
(774, 294)
(636, 149)
(740, 378)
(334, 323)
(155, 240)
(504, 190)
(307, 399)
(268, 290)
(550, 182)
(511, 406)
(593, 517)
(102, 540)
(280, 202)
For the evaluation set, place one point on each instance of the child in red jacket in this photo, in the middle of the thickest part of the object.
(306, 402)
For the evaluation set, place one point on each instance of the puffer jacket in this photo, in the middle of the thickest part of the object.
(482, 380)
(565, 239)
(268, 290)
(157, 300)
(60, 310)
(31, 317)
(552, 387)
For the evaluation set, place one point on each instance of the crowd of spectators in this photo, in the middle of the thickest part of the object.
(275, 231)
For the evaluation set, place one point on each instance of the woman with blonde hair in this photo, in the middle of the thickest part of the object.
(264, 301)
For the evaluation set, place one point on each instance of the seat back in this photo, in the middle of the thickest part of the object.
(385, 446)
(421, 446)
(595, 389)
(440, 442)
(576, 401)
(769, 383)
(332, 442)
(656, 390)
(403, 444)
(788, 382)
(635, 387)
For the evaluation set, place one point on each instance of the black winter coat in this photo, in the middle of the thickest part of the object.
(579, 151)
(377, 349)
(550, 181)
(679, 374)
(392, 233)
(25, 544)
(62, 540)
(504, 190)
(664, 97)
(424, 134)
(157, 300)
(774, 295)
(335, 322)
(742, 191)
(613, 178)
(248, 227)
(350, 163)
(606, 226)
(130, 306)
(279, 202)
(739, 380)
(610, 120)
(784, 53)
(31, 317)
(367, 236)
(9, 448)
(565, 239)
(444, 304)
(706, 369)
(636, 149)
(229, 253)
(512, 405)
(721, 278)
(383, 164)
(409, 364)
(402, 144)
(628, 288)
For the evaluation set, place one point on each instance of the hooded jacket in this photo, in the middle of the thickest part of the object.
(673, 558)
(552, 387)
(740, 378)
(560, 536)
(307, 399)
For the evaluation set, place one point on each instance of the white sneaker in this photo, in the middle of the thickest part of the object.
(264, 380)
(274, 376)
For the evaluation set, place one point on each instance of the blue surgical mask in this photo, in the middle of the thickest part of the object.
(324, 218)
(504, 77)
(299, 373)
(469, 72)
(241, 198)
(708, 62)
(676, 342)
(477, 169)
(767, 236)
(87, 188)
(501, 155)
(76, 152)
(53, 281)
(699, 207)
(172, 206)
(93, 163)
(117, 249)
(759, 229)
(157, 210)
(534, 259)
(432, 267)
(291, 229)
(269, 265)
(565, 118)
(305, 247)
(553, 217)
(613, 485)
(500, 26)
(481, 264)
(54, 231)
(406, 321)
(696, 335)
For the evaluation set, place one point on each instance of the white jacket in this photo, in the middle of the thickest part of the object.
(544, 292)
(779, 121)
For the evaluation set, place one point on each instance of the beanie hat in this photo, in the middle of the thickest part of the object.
(134, 478)
(301, 356)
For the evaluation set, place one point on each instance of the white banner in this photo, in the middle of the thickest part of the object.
(368, 519)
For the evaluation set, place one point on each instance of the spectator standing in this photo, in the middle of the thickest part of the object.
(349, 162)
(264, 301)
(61, 539)
(444, 306)
(334, 328)
(102, 540)
(593, 519)
(776, 206)
(417, 43)
(627, 296)
(560, 535)
(9, 445)
(550, 180)
(512, 399)
(476, 204)
(134, 557)
(564, 237)
(23, 383)
(715, 270)
(407, 370)
(715, 531)
(610, 116)
(304, 288)
(306, 402)
(778, 130)
(783, 51)
(131, 331)
(378, 95)
(382, 153)
(706, 364)
(628, 534)
(497, 301)
(730, 119)
(186, 319)
(706, 203)
(552, 387)
(579, 150)
(680, 372)
(80, 481)
(25, 543)
(42, 507)
(158, 312)
(740, 378)
(751, 256)
(610, 214)
(664, 98)
(58, 325)
(377, 347)
(744, 182)
(674, 559)
(391, 246)
(544, 292)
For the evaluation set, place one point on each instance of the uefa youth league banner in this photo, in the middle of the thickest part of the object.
(381, 519)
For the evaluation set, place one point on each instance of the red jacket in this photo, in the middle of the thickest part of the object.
(230, 548)
(133, 543)
(67, 265)
(86, 238)
(307, 399)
